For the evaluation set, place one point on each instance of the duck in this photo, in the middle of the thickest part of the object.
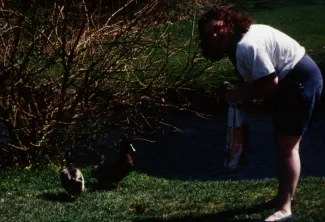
(72, 179)
(112, 173)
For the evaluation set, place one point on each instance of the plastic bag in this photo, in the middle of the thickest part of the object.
(237, 137)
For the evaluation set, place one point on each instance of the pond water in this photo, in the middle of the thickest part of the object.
(197, 150)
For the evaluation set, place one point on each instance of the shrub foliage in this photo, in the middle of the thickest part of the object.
(78, 69)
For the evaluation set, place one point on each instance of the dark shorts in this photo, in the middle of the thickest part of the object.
(297, 94)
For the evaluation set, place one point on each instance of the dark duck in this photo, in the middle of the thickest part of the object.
(112, 173)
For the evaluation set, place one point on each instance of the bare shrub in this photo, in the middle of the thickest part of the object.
(75, 69)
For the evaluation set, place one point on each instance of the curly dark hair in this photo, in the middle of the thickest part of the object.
(237, 22)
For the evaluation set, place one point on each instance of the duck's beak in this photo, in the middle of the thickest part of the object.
(132, 147)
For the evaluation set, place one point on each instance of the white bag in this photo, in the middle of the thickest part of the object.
(237, 136)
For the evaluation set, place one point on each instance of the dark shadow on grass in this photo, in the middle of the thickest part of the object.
(221, 216)
(94, 186)
(58, 197)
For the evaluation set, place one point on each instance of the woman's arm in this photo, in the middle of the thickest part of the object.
(258, 88)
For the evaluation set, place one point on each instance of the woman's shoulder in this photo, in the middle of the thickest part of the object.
(255, 36)
(258, 27)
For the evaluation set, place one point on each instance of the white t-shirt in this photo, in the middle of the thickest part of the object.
(264, 50)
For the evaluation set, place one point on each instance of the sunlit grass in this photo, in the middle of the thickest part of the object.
(37, 196)
(27, 196)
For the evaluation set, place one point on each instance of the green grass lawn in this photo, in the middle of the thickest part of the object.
(38, 196)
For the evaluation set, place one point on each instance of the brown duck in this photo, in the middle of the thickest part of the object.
(113, 173)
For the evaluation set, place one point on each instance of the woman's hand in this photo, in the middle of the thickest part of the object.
(256, 89)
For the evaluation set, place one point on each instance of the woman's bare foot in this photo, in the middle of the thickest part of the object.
(283, 210)
(279, 215)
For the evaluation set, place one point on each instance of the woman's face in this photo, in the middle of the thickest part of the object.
(218, 36)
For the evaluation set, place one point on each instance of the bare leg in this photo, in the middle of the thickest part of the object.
(288, 164)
